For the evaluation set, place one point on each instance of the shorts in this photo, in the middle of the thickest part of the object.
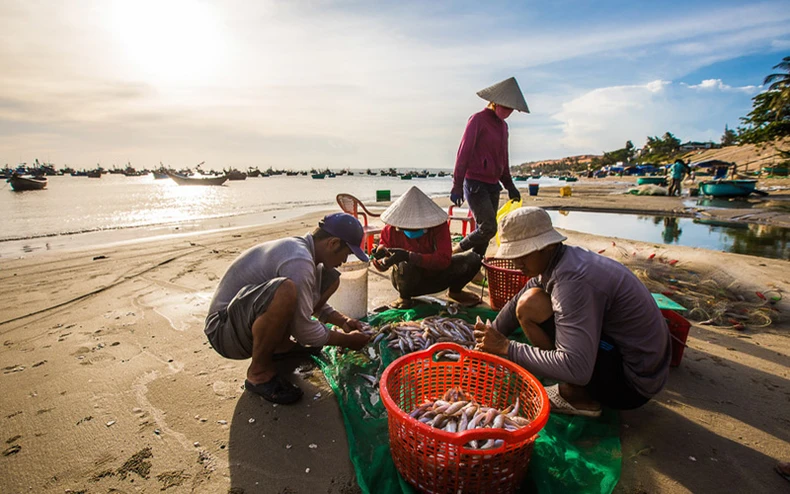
(608, 384)
(229, 330)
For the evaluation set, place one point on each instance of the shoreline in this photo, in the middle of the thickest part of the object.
(590, 195)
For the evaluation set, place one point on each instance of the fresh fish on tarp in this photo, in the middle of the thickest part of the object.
(411, 336)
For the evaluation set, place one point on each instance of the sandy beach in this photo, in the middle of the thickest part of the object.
(109, 384)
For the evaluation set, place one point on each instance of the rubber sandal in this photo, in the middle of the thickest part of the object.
(784, 474)
(561, 405)
(277, 390)
(298, 351)
(466, 299)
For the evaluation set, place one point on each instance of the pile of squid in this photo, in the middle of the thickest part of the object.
(458, 411)
(410, 336)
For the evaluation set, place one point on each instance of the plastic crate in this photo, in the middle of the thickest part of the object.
(504, 281)
(435, 461)
(679, 331)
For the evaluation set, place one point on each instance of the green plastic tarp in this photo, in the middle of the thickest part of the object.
(571, 454)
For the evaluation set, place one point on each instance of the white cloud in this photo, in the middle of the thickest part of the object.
(604, 118)
(718, 85)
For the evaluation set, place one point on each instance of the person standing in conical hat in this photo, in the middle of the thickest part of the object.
(483, 162)
(416, 244)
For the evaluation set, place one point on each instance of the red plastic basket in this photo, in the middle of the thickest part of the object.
(504, 281)
(433, 460)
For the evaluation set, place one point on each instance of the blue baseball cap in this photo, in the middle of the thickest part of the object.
(346, 228)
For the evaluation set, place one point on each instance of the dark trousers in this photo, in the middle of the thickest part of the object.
(608, 384)
(675, 187)
(483, 200)
(411, 280)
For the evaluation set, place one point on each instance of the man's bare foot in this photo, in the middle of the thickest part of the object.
(402, 303)
(464, 298)
(261, 376)
(578, 397)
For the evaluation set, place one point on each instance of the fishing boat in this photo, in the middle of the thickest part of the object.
(571, 179)
(728, 188)
(521, 178)
(406, 176)
(662, 181)
(193, 180)
(236, 175)
(26, 182)
(318, 176)
(159, 174)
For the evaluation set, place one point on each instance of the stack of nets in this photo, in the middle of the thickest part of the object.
(713, 298)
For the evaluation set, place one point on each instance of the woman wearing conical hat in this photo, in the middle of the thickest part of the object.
(482, 162)
(416, 243)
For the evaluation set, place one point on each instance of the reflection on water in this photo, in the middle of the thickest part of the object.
(740, 238)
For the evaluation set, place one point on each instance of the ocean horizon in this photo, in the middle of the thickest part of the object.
(79, 212)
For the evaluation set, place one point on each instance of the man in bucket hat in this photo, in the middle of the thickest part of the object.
(416, 243)
(593, 325)
(269, 295)
(483, 162)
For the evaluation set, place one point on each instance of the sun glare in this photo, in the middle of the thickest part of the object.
(174, 42)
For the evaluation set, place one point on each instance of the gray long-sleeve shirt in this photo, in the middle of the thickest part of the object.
(591, 294)
(292, 258)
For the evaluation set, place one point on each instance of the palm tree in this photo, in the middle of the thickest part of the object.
(780, 85)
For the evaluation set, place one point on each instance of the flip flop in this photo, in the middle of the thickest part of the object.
(298, 351)
(466, 299)
(277, 390)
(785, 475)
(561, 405)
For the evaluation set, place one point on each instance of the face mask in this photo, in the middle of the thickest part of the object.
(414, 233)
(503, 112)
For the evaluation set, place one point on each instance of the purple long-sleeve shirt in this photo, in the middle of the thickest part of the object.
(483, 154)
(590, 295)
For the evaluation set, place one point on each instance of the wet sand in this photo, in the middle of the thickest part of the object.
(108, 382)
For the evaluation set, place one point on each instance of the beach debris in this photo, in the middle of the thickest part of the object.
(222, 422)
(288, 446)
(110, 423)
(157, 432)
(313, 446)
(317, 395)
(457, 411)
(252, 420)
(196, 444)
(692, 458)
(307, 470)
(138, 410)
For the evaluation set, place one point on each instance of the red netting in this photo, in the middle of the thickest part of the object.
(504, 281)
(435, 461)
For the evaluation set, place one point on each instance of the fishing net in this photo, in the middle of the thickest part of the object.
(712, 298)
(572, 454)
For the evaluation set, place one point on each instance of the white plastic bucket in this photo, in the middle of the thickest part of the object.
(351, 297)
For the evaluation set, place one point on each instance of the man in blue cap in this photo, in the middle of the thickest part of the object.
(269, 295)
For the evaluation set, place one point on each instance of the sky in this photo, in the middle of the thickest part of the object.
(368, 84)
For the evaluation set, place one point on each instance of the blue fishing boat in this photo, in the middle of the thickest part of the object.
(728, 188)
(318, 176)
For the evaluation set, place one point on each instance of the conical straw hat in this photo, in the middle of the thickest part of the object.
(505, 93)
(414, 210)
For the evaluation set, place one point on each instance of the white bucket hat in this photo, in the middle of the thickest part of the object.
(505, 93)
(524, 231)
(413, 211)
